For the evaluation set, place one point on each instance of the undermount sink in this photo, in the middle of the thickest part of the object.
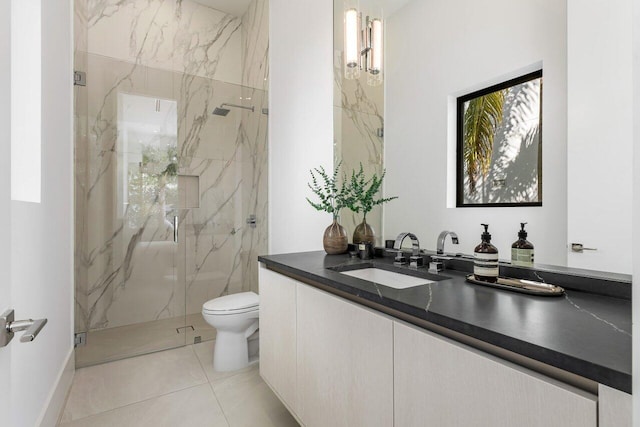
(387, 278)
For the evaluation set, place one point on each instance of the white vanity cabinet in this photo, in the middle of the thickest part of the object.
(439, 382)
(345, 362)
(330, 361)
(278, 334)
(615, 407)
(336, 363)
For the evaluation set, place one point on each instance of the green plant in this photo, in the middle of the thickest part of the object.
(363, 191)
(481, 118)
(333, 196)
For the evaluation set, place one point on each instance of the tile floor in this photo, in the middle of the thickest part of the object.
(176, 388)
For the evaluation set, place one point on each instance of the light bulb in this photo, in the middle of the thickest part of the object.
(351, 44)
(375, 54)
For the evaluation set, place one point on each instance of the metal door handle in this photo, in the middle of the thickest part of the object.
(579, 247)
(175, 229)
(33, 328)
(8, 327)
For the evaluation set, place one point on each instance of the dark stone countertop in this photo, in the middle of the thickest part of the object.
(581, 332)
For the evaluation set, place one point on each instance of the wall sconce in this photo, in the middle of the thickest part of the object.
(363, 47)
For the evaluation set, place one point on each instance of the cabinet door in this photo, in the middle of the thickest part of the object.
(439, 382)
(278, 334)
(345, 362)
(614, 408)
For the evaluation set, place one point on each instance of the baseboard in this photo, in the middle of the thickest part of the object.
(58, 395)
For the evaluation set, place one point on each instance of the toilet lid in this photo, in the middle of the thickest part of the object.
(233, 302)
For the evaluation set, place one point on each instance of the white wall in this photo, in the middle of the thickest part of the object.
(42, 239)
(599, 133)
(5, 185)
(636, 210)
(437, 51)
(300, 119)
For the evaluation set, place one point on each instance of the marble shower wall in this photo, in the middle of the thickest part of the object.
(255, 41)
(229, 154)
(155, 71)
(358, 120)
(173, 35)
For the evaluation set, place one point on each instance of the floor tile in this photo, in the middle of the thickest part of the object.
(193, 407)
(204, 351)
(247, 401)
(111, 385)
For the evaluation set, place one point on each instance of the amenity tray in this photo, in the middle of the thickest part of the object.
(521, 285)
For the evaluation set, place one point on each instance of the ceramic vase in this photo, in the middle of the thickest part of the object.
(364, 233)
(335, 239)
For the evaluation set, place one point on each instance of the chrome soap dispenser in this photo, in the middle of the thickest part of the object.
(485, 259)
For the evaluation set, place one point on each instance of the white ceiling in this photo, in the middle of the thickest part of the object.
(234, 7)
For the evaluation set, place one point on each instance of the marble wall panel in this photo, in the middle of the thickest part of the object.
(152, 280)
(254, 185)
(80, 26)
(255, 45)
(182, 36)
(201, 133)
(212, 239)
(356, 94)
(357, 142)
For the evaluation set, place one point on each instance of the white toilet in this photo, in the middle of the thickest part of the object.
(236, 318)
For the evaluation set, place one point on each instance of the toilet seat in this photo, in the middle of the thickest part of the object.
(243, 302)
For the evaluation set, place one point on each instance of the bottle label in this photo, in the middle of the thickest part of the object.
(522, 257)
(485, 264)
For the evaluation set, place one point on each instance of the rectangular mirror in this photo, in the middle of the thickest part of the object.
(499, 147)
(358, 109)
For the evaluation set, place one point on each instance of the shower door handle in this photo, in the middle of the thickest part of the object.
(175, 229)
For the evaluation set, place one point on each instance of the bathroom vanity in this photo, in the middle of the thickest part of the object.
(340, 350)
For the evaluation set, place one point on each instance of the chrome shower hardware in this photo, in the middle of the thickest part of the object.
(221, 111)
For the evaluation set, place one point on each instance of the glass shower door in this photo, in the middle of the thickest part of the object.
(130, 298)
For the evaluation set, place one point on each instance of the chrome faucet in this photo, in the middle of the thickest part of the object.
(441, 239)
(416, 259)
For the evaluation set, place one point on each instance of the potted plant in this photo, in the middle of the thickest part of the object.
(332, 197)
(362, 198)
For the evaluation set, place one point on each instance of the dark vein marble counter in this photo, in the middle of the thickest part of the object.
(583, 333)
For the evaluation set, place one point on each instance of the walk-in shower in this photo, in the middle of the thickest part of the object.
(163, 189)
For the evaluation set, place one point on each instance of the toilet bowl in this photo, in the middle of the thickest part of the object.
(235, 318)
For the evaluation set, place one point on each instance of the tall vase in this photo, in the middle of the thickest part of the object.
(364, 233)
(335, 239)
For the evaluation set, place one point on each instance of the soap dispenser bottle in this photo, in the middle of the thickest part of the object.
(485, 259)
(522, 249)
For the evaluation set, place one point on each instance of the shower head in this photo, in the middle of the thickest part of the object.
(219, 111)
